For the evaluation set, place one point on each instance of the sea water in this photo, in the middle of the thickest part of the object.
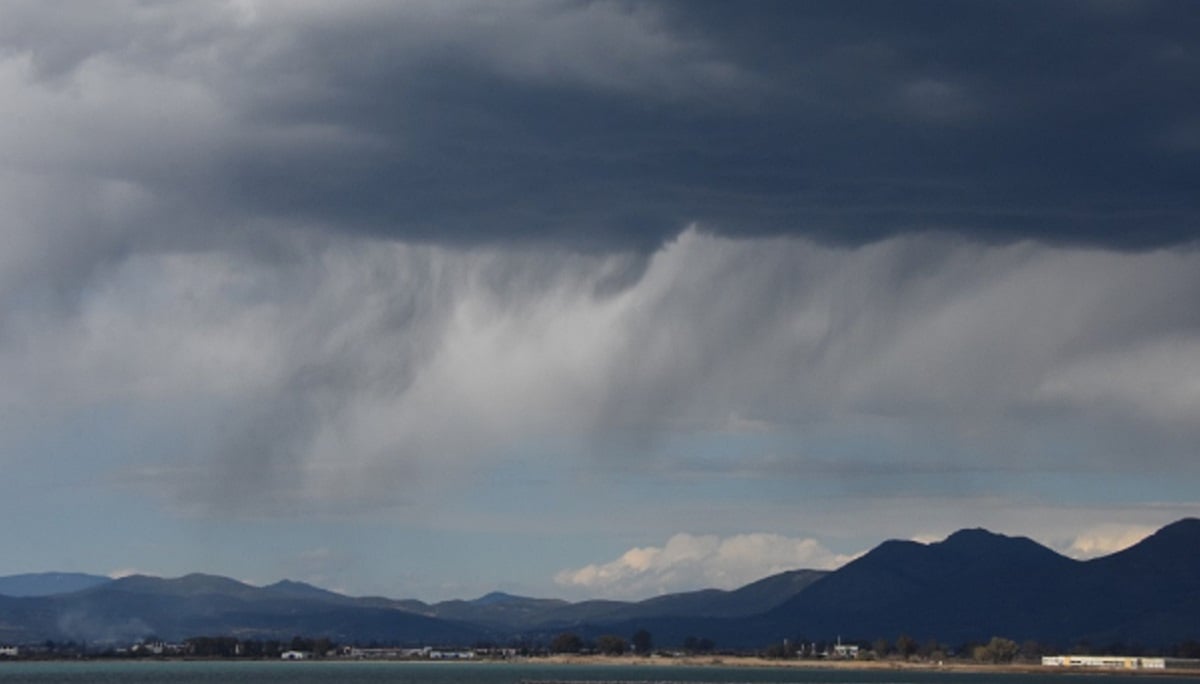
(195, 672)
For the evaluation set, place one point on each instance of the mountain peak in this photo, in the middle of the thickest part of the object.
(974, 535)
(297, 588)
(497, 597)
(975, 540)
(978, 541)
(293, 585)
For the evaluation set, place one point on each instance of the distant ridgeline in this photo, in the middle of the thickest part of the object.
(902, 598)
(49, 583)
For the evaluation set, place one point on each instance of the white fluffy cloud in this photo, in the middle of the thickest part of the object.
(1102, 540)
(688, 562)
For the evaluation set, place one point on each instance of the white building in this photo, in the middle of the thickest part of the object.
(451, 655)
(9, 651)
(1105, 662)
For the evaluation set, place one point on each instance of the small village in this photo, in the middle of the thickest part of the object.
(568, 648)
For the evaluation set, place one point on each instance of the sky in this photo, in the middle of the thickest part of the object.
(590, 299)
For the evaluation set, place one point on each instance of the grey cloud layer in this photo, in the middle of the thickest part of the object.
(346, 378)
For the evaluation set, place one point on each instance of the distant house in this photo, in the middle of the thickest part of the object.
(9, 651)
(295, 655)
(151, 647)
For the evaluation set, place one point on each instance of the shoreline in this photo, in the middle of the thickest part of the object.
(698, 662)
(756, 662)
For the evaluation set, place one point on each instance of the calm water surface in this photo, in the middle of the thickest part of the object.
(495, 673)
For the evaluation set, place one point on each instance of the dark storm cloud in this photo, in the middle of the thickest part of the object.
(611, 125)
(1000, 121)
(1003, 122)
(1051, 121)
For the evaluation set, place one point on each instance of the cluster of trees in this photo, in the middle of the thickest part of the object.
(906, 647)
(567, 642)
(642, 643)
(997, 650)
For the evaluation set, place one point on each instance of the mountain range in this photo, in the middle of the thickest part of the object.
(973, 585)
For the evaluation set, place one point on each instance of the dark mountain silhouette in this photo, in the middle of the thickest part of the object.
(977, 584)
(48, 583)
(301, 590)
(500, 612)
(134, 607)
(1150, 591)
(507, 613)
(973, 585)
(752, 599)
(1171, 554)
(496, 598)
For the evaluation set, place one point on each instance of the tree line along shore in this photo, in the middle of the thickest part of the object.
(998, 653)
